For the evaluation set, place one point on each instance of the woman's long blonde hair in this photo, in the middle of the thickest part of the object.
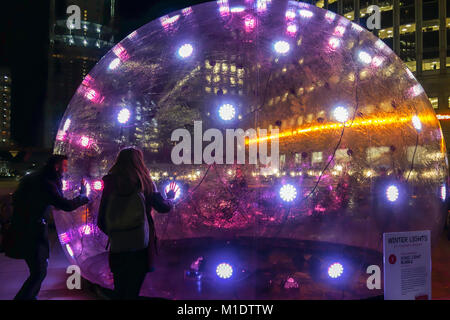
(130, 169)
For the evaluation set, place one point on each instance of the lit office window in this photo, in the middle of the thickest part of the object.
(434, 102)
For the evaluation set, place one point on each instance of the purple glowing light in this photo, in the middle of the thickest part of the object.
(64, 238)
(121, 52)
(224, 271)
(85, 142)
(339, 31)
(166, 21)
(186, 11)
(65, 185)
(249, 22)
(290, 14)
(330, 16)
(292, 29)
(123, 116)
(335, 270)
(85, 229)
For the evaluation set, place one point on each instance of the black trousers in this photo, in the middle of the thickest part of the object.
(129, 270)
(37, 263)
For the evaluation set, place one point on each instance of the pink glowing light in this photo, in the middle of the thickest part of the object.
(292, 29)
(61, 135)
(88, 81)
(98, 185)
(64, 238)
(186, 11)
(166, 21)
(85, 229)
(334, 43)
(85, 142)
(290, 14)
(339, 31)
(249, 22)
(416, 90)
(121, 52)
(330, 16)
(377, 61)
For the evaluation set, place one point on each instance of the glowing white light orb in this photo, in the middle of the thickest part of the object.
(416, 90)
(98, 185)
(85, 141)
(281, 47)
(288, 192)
(330, 16)
(292, 28)
(114, 64)
(443, 192)
(340, 114)
(290, 14)
(392, 193)
(185, 50)
(124, 116)
(364, 57)
(227, 112)
(416, 123)
(377, 61)
(237, 9)
(334, 43)
(335, 270)
(224, 271)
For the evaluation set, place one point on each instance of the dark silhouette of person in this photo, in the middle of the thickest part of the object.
(127, 176)
(32, 200)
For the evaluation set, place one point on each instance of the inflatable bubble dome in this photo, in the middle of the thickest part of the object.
(348, 148)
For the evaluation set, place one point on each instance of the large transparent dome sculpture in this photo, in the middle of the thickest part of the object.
(360, 151)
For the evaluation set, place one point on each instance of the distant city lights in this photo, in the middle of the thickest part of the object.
(392, 193)
(227, 112)
(123, 116)
(281, 47)
(288, 193)
(335, 270)
(340, 114)
(185, 50)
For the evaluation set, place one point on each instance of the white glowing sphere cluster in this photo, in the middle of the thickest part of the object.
(392, 193)
(340, 114)
(123, 116)
(224, 271)
(227, 112)
(185, 50)
(335, 270)
(281, 47)
(288, 192)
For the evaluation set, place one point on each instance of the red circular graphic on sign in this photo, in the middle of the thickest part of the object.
(392, 259)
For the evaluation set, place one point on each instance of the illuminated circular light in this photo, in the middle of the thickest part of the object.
(335, 270)
(392, 193)
(281, 47)
(114, 64)
(416, 123)
(443, 192)
(85, 141)
(340, 114)
(227, 112)
(224, 271)
(292, 28)
(288, 192)
(124, 116)
(290, 14)
(69, 250)
(334, 43)
(364, 57)
(175, 187)
(185, 50)
(98, 185)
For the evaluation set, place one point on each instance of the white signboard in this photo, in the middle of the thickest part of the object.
(407, 265)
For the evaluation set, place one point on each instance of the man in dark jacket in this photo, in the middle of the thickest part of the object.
(32, 203)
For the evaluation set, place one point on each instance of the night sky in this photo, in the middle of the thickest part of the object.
(24, 28)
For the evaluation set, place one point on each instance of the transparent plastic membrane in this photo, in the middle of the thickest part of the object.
(361, 151)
